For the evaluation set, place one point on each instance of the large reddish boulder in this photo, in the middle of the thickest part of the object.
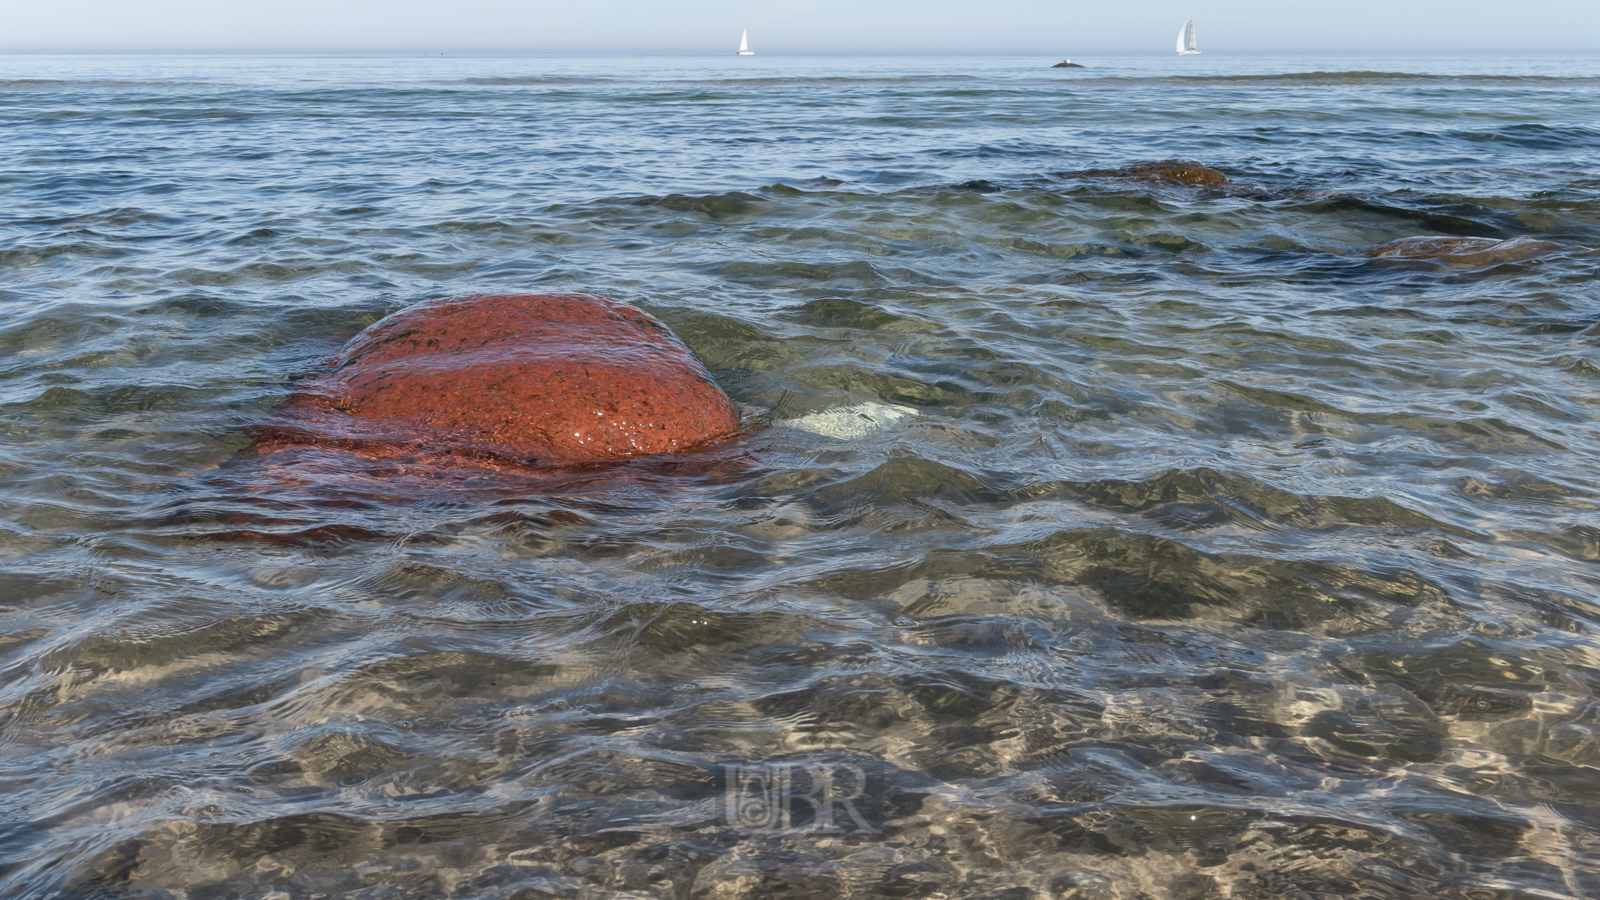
(528, 379)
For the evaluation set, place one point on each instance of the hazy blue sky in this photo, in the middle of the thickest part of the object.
(778, 27)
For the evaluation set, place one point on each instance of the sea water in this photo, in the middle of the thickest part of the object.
(1093, 537)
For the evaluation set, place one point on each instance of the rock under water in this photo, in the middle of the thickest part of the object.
(850, 422)
(528, 379)
(1464, 251)
(484, 397)
(1182, 170)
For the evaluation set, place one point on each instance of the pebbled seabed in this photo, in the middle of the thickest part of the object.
(1097, 537)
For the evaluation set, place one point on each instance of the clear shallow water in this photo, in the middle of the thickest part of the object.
(1214, 563)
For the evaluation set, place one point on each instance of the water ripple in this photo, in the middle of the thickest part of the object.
(1202, 556)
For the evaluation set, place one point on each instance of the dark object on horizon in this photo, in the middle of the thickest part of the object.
(1185, 170)
(1066, 64)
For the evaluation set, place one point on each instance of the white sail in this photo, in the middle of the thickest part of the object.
(744, 44)
(1186, 45)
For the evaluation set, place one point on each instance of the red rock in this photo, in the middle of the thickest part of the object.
(483, 381)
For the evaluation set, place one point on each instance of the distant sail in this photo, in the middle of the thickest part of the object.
(744, 44)
(1186, 39)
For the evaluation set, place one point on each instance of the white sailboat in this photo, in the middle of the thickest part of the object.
(744, 44)
(1186, 39)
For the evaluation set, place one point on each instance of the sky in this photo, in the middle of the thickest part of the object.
(800, 27)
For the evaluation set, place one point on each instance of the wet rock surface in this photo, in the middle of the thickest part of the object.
(533, 379)
(1183, 170)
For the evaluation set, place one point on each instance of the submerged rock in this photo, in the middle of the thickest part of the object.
(1464, 251)
(531, 379)
(1066, 64)
(850, 422)
(1184, 170)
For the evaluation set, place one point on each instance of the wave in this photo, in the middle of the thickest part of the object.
(38, 84)
(515, 80)
(840, 79)
(512, 80)
(1353, 77)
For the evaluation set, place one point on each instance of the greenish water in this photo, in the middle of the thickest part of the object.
(1212, 560)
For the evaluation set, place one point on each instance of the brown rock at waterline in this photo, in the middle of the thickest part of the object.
(525, 380)
(1464, 251)
(1181, 170)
